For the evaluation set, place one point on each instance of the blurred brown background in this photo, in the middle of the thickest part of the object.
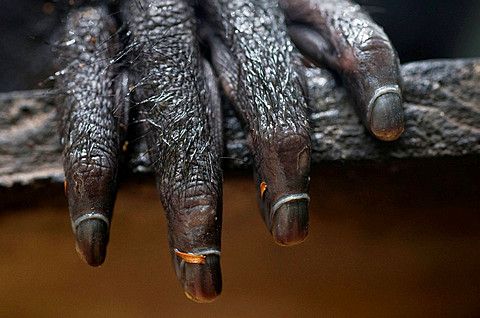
(386, 240)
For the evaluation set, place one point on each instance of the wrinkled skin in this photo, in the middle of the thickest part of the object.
(161, 63)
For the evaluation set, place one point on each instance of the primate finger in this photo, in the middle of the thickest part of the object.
(180, 110)
(253, 57)
(89, 127)
(339, 34)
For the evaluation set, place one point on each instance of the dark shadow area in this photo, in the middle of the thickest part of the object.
(419, 29)
(429, 29)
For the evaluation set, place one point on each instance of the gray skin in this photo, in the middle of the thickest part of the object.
(152, 71)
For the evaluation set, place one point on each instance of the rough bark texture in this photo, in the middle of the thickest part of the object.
(442, 118)
(30, 147)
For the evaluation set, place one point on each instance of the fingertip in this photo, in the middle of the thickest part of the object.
(290, 223)
(91, 240)
(386, 121)
(201, 281)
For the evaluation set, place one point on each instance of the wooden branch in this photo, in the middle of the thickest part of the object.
(29, 143)
(442, 118)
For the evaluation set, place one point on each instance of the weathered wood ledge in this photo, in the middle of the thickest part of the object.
(442, 118)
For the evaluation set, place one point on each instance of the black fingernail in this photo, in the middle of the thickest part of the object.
(290, 223)
(387, 117)
(202, 282)
(91, 241)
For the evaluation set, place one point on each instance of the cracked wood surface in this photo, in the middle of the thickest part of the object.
(442, 118)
